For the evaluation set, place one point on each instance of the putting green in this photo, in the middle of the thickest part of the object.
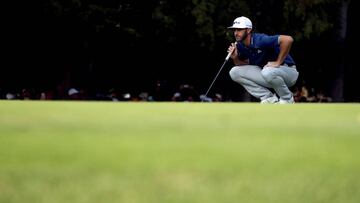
(135, 152)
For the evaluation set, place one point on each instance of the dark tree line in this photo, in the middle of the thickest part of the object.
(130, 44)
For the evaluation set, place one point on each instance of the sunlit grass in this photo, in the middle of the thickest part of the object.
(178, 152)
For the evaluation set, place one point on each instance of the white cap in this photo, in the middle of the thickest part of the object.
(241, 22)
(72, 91)
(10, 96)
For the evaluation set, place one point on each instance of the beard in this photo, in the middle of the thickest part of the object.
(241, 39)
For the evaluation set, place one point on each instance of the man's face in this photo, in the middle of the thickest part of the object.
(240, 34)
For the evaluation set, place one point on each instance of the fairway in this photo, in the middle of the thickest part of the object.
(154, 152)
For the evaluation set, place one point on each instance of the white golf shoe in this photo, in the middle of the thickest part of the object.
(270, 100)
(290, 101)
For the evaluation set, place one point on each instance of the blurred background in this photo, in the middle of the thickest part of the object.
(169, 50)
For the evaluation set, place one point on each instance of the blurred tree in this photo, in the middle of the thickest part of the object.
(310, 19)
(101, 38)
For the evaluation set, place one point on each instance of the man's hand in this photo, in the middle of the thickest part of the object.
(274, 64)
(232, 49)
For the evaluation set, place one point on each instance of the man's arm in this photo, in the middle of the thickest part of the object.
(285, 42)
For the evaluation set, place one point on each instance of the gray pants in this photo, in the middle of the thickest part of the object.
(257, 81)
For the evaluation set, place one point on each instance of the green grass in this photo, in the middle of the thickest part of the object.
(56, 152)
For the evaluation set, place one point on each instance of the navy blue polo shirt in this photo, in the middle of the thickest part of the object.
(263, 48)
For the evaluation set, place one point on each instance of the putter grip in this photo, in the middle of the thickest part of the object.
(229, 54)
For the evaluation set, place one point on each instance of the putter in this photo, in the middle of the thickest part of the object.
(226, 59)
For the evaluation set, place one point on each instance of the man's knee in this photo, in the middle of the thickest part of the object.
(268, 74)
(232, 73)
(235, 74)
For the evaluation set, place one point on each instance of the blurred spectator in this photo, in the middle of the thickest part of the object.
(320, 97)
(218, 97)
(113, 95)
(26, 94)
(176, 97)
(144, 96)
(74, 94)
(10, 96)
(205, 98)
(185, 93)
